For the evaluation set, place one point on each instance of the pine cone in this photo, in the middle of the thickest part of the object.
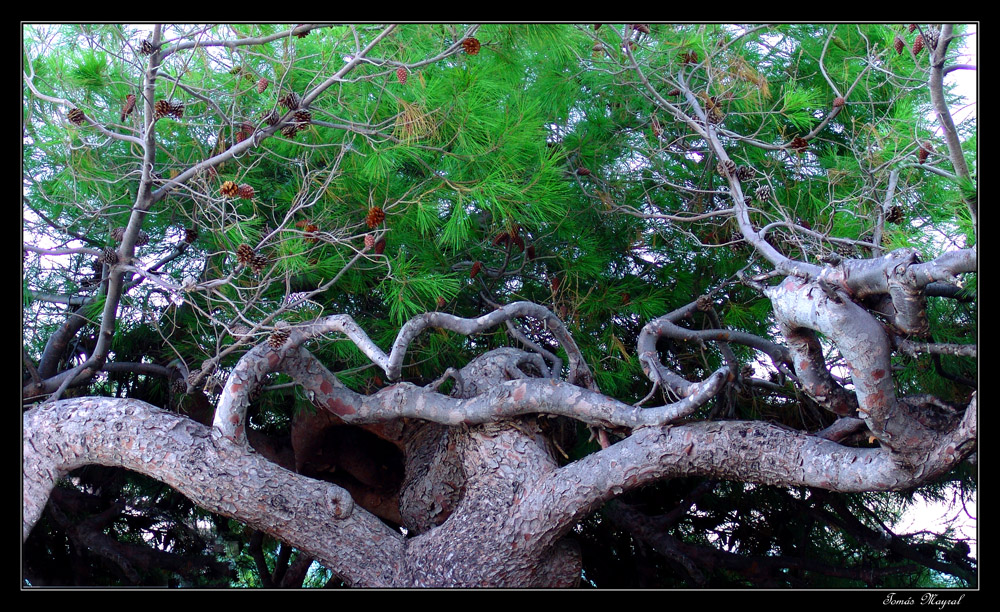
(918, 44)
(290, 130)
(925, 150)
(762, 193)
(176, 110)
(239, 331)
(244, 253)
(109, 256)
(162, 108)
(229, 189)
(262, 85)
(799, 144)
(581, 171)
(369, 241)
(302, 117)
(895, 215)
(190, 235)
(142, 239)
(129, 106)
(290, 100)
(838, 102)
(117, 234)
(726, 168)
(476, 267)
(898, 44)
(245, 191)
(743, 173)
(76, 116)
(913, 27)
(272, 117)
(401, 75)
(310, 235)
(375, 216)
(146, 47)
(380, 247)
(471, 46)
(931, 40)
(258, 263)
(277, 338)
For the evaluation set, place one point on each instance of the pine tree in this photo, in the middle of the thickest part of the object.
(598, 193)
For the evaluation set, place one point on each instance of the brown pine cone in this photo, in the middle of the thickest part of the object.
(258, 263)
(109, 256)
(272, 117)
(244, 253)
(726, 168)
(162, 108)
(290, 100)
(129, 106)
(277, 338)
(471, 46)
(245, 191)
(375, 216)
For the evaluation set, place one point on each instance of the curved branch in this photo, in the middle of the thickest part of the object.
(867, 350)
(316, 517)
(501, 401)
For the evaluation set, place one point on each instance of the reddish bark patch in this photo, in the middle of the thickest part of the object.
(518, 394)
(273, 359)
(235, 388)
(338, 407)
(878, 374)
(325, 386)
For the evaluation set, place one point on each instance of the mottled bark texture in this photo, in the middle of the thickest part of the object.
(470, 477)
